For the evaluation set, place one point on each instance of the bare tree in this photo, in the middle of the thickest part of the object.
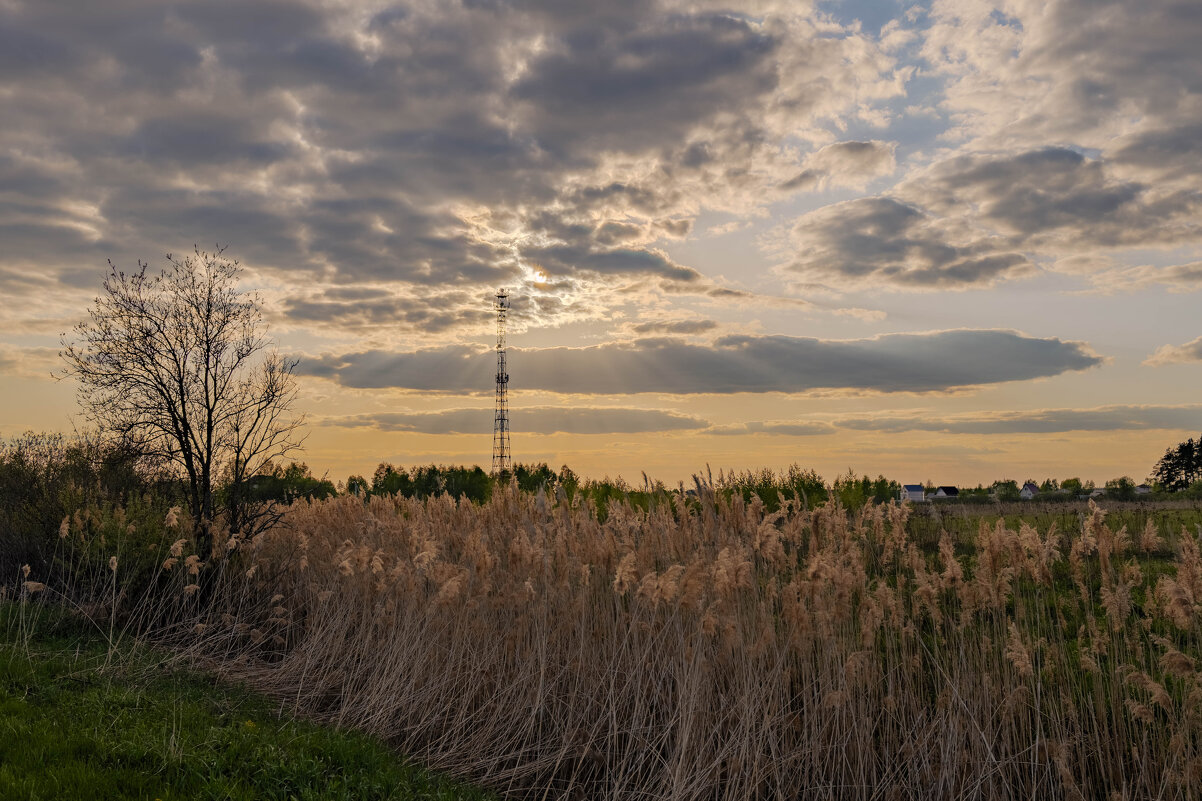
(177, 365)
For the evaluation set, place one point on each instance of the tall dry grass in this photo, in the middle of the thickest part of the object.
(707, 649)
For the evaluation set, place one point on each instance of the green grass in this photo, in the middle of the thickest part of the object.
(76, 723)
(962, 521)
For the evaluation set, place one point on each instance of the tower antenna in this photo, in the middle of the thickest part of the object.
(501, 459)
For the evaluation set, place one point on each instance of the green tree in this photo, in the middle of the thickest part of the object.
(1006, 490)
(805, 483)
(531, 477)
(470, 482)
(568, 480)
(387, 480)
(849, 490)
(883, 490)
(1121, 489)
(1180, 466)
(277, 485)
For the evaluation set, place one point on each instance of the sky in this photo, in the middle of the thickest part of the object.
(953, 241)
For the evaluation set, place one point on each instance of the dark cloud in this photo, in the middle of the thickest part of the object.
(802, 180)
(558, 259)
(1165, 152)
(528, 420)
(202, 139)
(1058, 196)
(368, 309)
(882, 240)
(971, 221)
(1116, 53)
(1190, 352)
(653, 82)
(1038, 421)
(930, 362)
(424, 145)
(1115, 85)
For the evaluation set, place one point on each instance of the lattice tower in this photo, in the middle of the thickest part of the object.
(501, 458)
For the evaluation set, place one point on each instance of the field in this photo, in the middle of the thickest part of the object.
(962, 520)
(704, 648)
(694, 646)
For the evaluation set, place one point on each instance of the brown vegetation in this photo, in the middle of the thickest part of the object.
(708, 649)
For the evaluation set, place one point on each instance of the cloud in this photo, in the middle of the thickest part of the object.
(629, 261)
(424, 145)
(28, 362)
(774, 428)
(527, 420)
(878, 241)
(1076, 124)
(1068, 70)
(676, 327)
(1037, 421)
(653, 81)
(366, 310)
(1162, 152)
(971, 221)
(1056, 196)
(927, 362)
(1188, 353)
(845, 164)
(1175, 277)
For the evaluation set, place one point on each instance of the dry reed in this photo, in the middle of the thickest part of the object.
(706, 649)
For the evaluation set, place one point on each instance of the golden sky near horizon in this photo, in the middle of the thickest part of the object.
(954, 241)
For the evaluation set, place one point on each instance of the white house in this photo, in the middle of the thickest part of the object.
(1029, 491)
(913, 492)
(947, 492)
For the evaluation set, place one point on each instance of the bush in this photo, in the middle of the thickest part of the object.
(44, 478)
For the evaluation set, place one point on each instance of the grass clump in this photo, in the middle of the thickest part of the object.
(79, 722)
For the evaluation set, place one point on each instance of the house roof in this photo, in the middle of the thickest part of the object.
(915, 488)
(949, 490)
(1031, 486)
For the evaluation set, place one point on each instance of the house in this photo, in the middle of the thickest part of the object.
(1029, 491)
(1097, 493)
(913, 492)
(946, 492)
(1143, 489)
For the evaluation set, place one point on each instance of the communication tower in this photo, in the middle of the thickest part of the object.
(501, 460)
